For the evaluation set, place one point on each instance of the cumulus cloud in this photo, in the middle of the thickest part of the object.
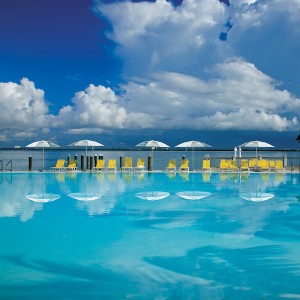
(257, 13)
(98, 108)
(178, 73)
(153, 35)
(23, 109)
(187, 77)
(238, 96)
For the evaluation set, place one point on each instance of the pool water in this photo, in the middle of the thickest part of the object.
(149, 236)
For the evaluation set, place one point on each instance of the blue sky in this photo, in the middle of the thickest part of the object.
(120, 72)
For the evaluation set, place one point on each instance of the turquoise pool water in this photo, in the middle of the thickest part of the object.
(149, 236)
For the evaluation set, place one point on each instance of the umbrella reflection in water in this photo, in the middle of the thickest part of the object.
(193, 194)
(152, 195)
(258, 194)
(86, 195)
(43, 197)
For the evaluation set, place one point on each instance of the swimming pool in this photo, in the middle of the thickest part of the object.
(149, 236)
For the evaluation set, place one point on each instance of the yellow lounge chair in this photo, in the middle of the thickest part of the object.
(112, 165)
(272, 165)
(263, 164)
(253, 164)
(127, 164)
(206, 165)
(232, 165)
(184, 165)
(224, 165)
(60, 165)
(172, 165)
(278, 165)
(244, 165)
(140, 165)
(99, 165)
(72, 166)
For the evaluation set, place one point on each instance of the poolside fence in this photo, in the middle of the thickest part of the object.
(157, 162)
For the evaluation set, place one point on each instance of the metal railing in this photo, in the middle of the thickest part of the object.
(6, 166)
(291, 164)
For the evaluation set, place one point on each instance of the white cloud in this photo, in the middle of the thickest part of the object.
(95, 109)
(23, 109)
(259, 13)
(157, 35)
(179, 74)
(238, 96)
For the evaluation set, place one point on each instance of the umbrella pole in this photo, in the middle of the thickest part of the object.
(43, 161)
(86, 158)
(152, 159)
(256, 157)
(193, 159)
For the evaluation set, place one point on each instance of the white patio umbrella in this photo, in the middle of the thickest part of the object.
(42, 144)
(152, 144)
(192, 144)
(86, 144)
(256, 144)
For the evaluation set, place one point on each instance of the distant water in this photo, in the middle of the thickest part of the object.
(19, 157)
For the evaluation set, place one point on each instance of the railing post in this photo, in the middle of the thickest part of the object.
(121, 162)
(150, 165)
(87, 163)
(82, 162)
(30, 163)
(91, 162)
